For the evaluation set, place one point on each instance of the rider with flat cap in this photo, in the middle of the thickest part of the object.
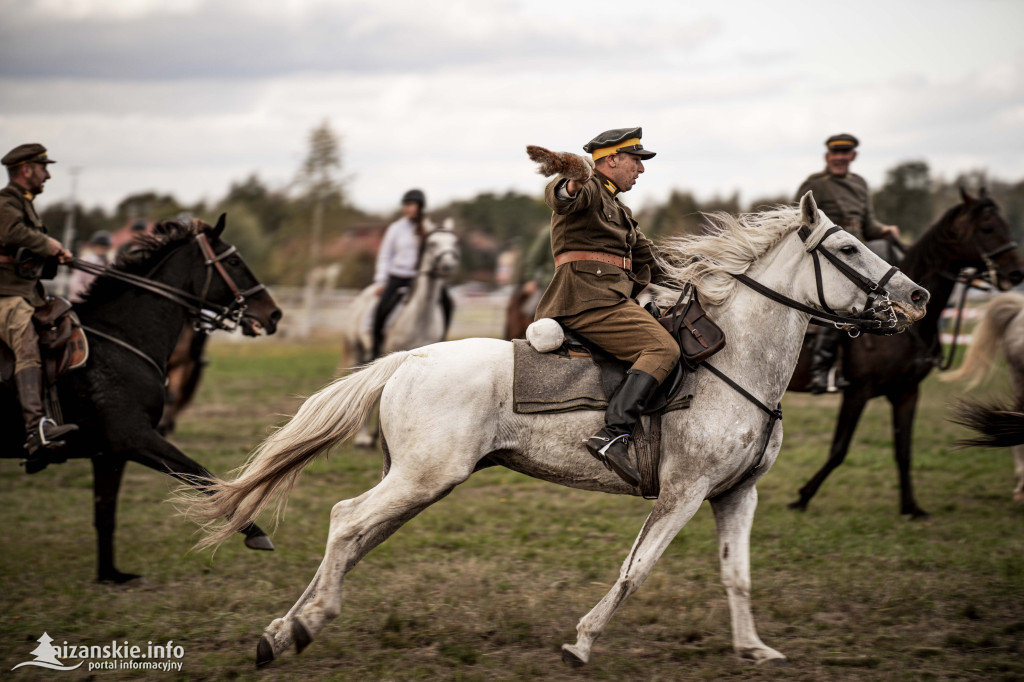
(845, 199)
(20, 226)
(602, 261)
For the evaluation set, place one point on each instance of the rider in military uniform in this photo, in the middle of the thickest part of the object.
(20, 226)
(602, 261)
(845, 199)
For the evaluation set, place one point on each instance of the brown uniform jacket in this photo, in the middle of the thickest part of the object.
(595, 220)
(20, 225)
(846, 201)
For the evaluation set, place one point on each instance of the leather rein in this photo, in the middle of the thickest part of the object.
(853, 325)
(208, 315)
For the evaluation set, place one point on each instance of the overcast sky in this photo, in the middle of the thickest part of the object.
(185, 96)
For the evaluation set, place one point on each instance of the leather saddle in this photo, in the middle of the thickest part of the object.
(62, 341)
(697, 335)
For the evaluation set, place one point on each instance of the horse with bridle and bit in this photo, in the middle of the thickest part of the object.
(446, 411)
(972, 234)
(132, 315)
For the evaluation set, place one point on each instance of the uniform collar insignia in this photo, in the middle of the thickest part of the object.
(28, 195)
(607, 184)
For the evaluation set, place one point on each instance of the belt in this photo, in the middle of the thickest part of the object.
(624, 262)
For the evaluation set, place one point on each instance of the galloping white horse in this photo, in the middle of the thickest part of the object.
(419, 320)
(1002, 326)
(446, 411)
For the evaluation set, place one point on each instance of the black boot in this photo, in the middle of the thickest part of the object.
(826, 348)
(611, 444)
(42, 431)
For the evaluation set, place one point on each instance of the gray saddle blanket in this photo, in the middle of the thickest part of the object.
(544, 383)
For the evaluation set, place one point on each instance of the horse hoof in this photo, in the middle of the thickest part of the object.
(119, 578)
(570, 658)
(301, 636)
(774, 663)
(920, 515)
(261, 542)
(264, 652)
(799, 505)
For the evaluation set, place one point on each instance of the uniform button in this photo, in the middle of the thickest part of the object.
(599, 271)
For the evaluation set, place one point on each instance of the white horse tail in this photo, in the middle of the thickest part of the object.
(978, 360)
(328, 417)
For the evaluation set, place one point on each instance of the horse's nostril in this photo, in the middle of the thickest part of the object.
(918, 295)
(1016, 277)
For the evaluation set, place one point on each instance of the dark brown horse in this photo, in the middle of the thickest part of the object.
(971, 234)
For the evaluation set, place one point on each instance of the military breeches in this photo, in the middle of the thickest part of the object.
(631, 334)
(17, 331)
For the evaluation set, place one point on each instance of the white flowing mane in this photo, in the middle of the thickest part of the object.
(729, 246)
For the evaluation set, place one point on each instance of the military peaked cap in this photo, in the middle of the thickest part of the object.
(841, 142)
(618, 141)
(32, 152)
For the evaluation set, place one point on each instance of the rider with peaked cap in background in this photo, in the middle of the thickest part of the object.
(846, 200)
(20, 226)
(602, 261)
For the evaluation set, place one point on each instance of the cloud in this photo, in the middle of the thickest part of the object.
(256, 39)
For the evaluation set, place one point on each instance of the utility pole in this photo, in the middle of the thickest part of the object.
(63, 279)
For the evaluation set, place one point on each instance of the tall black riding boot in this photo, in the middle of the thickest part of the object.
(42, 431)
(611, 444)
(826, 348)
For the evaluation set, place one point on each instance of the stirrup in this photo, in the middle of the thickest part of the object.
(43, 441)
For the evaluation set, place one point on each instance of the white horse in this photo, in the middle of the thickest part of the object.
(1002, 326)
(419, 320)
(446, 411)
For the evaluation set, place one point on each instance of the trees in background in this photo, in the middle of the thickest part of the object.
(285, 231)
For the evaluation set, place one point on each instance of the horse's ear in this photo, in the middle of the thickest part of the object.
(448, 224)
(809, 210)
(983, 193)
(218, 229)
(968, 199)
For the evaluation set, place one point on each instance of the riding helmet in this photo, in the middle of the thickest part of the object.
(415, 196)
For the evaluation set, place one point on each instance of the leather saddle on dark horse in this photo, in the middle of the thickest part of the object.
(62, 341)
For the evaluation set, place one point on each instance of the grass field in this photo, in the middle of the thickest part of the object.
(491, 581)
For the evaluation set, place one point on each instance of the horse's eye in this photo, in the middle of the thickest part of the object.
(987, 229)
(234, 262)
(848, 250)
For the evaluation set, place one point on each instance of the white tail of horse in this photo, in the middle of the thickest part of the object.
(328, 417)
(978, 361)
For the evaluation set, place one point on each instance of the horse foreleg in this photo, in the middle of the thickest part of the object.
(357, 526)
(107, 472)
(904, 406)
(669, 515)
(1018, 471)
(734, 515)
(849, 414)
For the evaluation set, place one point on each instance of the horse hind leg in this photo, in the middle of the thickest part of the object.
(1018, 471)
(357, 526)
(734, 515)
(669, 515)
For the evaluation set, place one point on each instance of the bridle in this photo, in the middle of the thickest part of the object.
(864, 321)
(433, 271)
(207, 315)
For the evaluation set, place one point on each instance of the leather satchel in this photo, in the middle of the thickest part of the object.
(698, 336)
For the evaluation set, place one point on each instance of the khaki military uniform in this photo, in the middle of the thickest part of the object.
(846, 201)
(594, 299)
(20, 226)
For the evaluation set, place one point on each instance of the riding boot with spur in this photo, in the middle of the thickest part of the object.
(611, 444)
(826, 348)
(42, 431)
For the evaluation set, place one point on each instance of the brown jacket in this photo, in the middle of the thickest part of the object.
(846, 201)
(595, 220)
(20, 225)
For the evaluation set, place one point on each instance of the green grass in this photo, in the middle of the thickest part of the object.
(491, 581)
